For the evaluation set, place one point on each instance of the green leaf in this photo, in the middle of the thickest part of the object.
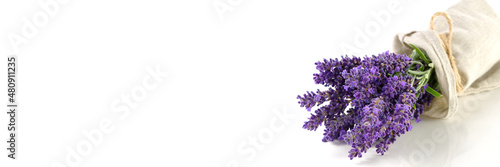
(422, 56)
(417, 72)
(433, 92)
(414, 55)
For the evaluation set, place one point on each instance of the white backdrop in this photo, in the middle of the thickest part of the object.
(208, 83)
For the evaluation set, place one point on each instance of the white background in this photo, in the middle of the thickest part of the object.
(228, 76)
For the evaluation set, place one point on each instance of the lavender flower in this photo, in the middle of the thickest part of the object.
(382, 92)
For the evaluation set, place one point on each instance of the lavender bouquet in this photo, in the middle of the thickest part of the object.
(370, 101)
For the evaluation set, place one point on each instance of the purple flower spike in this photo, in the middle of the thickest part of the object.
(369, 101)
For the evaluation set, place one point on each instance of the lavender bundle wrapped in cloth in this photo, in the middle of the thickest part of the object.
(369, 101)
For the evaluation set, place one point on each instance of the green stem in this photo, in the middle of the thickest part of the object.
(422, 67)
(423, 77)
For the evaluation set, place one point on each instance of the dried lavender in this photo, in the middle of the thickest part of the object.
(370, 101)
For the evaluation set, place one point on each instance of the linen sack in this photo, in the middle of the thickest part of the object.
(475, 45)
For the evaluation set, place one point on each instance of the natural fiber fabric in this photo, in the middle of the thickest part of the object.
(475, 47)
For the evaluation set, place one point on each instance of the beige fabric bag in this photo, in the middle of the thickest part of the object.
(475, 44)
